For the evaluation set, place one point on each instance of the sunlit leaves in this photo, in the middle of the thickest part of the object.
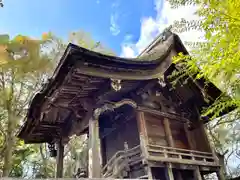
(217, 59)
(23, 66)
(177, 3)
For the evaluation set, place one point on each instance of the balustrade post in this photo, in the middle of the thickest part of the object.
(169, 173)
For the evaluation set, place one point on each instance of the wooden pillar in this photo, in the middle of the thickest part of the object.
(143, 140)
(94, 167)
(205, 138)
(197, 174)
(220, 174)
(210, 147)
(168, 132)
(189, 138)
(60, 156)
(169, 172)
(142, 133)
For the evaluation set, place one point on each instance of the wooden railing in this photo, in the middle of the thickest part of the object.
(121, 162)
(182, 156)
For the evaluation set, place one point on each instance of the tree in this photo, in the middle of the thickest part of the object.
(216, 58)
(24, 65)
(85, 40)
(75, 156)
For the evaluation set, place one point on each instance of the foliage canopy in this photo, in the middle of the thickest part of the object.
(216, 58)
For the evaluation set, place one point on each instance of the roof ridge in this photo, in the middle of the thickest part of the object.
(161, 37)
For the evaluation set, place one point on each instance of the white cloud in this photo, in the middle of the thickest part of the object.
(128, 50)
(152, 26)
(114, 28)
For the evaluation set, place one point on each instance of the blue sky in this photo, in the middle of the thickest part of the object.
(112, 22)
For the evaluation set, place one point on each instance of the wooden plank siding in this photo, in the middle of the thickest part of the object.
(155, 130)
(157, 136)
(179, 134)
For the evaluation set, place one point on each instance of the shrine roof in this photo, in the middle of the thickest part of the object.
(83, 75)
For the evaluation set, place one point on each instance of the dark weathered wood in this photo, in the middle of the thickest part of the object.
(177, 117)
(60, 156)
(94, 150)
(189, 138)
(125, 74)
(168, 132)
(155, 129)
(207, 142)
(79, 127)
(168, 170)
(121, 162)
(204, 138)
(142, 133)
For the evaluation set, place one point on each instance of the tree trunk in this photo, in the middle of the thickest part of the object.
(44, 162)
(10, 140)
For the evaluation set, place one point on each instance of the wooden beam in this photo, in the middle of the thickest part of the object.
(144, 141)
(220, 174)
(177, 117)
(168, 132)
(143, 87)
(206, 139)
(197, 174)
(142, 133)
(189, 137)
(169, 172)
(60, 156)
(94, 150)
(126, 75)
(80, 126)
(149, 172)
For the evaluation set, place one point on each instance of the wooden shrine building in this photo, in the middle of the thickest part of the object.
(138, 125)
